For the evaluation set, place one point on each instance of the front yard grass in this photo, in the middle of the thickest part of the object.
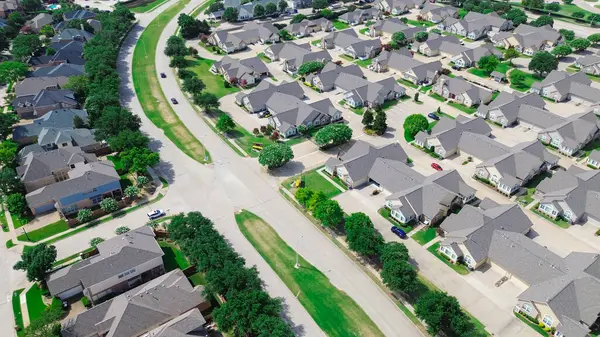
(591, 146)
(503, 67)
(16, 307)
(425, 89)
(527, 83)
(532, 325)
(197, 279)
(425, 235)
(408, 83)
(264, 58)
(531, 186)
(560, 222)
(465, 109)
(339, 25)
(20, 220)
(10, 244)
(420, 23)
(364, 63)
(148, 7)
(386, 213)
(364, 31)
(4, 221)
(45, 232)
(347, 58)
(215, 84)
(437, 97)
(338, 315)
(314, 181)
(459, 268)
(35, 304)
(173, 258)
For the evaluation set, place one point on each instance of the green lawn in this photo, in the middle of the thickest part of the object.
(149, 93)
(386, 213)
(214, 83)
(10, 244)
(338, 25)
(388, 104)
(527, 83)
(45, 232)
(560, 222)
(117, 162)
(425, 89)
(437, 96)
(425, 235)
(591, 146)
(467, 110)
(459, 268)
(503, 67)
(173, 257)
(315, 42)
(364, 31)
(333, 310)
(35, 304)
(420, 23)
(347, 58)
(314, 181)
(148, 6)
(16, 307)
(197, 279)
(532, 325)
(408, 83)
(264, 58)
(20, 220)
(4, 221)
(531, 186)
(364, 63)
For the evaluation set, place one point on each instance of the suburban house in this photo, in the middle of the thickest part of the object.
(243, 72)
(289, 112)
(72, 34)
(122, 262)
(9, 6)
(593, 160)
(476, 25)
(386, 28)
(251, 33)
(590, 64)
(255, 101)
(294, 55)
(511, 108)
(528, 39)
(40, 21)
(436, 13)
(397, 7)
(57, 119)
(470, 57)
(66, 52)
(67, 179)
(561, 86)
(79, 14)
(414, 71)
(508, 169)
(307, 27)
(32, 106)
(448, 46)
(149, 307)
(31, 86)
(63, 69)
(359, 16)
(326, 79)
(362, 93)
(468, 234)
(444, 137)
(461, 91)
(396, 57)
(571, 134)
(350, 44)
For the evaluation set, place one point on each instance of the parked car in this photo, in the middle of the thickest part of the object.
(436, 167)
(398, 231)
(432, 115)
(174, 101)
(264, 114)
(155, 214)
(163, 75)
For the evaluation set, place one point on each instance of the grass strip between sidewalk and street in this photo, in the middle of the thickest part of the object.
(147, 7)
(339, 315)
(148, 90)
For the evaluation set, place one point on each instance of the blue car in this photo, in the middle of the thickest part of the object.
(398, 232)
(432, 115)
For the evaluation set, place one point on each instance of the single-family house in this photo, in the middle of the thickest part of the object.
(46, 100)
(250, 33)
(143, 309)
(362, 93)
(40, 21)
(571, 134)
(561, 86)
(459, 90)
(414, 71)
(381, 62)
(397, 7)
(444, 137)
(66, 52)
(510, 108)
(436, 13)
(243, 72)
(326, 79)
(72, 34)
(9, 6)
(307, 27)
(31, 86)
(63, 69)
(386, 28)
(289, 112)
(57, 119)
(476, 25)
(294, 55)
(255, 101)
(593, 160)
(590, 64)
(79, 14)
(470, 57)
(528, 39)
(359, 16)
(448, 46)
(350, 44)
(121, 263)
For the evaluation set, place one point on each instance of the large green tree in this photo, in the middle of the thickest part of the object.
(24, 46)
(310, 67)
(225, 123)
(275, 155)
(8, 152)
(80, 86)
(414, 124)
(230, 14)
(47, 324)
(128, 139)
(421, 36)
(543, 62)
(12, 71)
(193, 85)
(561, 50)
(329, 213)
(400, 276)
(442, 313)
(7, 121)
(37, 261)
(567, 34)
(190, 27)
(580, 44)
(258, 10)
(488, 63)
(319, 4)
(298, 18)
(361, 235)
(138, 159)
(16, 204)
(303, 195)
(4, 41)
(9, 181)
(114, 120)
(270, 8)
(282, 5)
(332, 135)
(594, 38)
(207, 101)
(176, 47)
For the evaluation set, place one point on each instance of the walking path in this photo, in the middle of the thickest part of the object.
(320, 171)
(24, 309)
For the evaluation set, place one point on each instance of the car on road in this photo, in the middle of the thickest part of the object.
(155, 214)
(163, 75)
(174, 101)
(432, 115)
(436, 167)
(398, 231)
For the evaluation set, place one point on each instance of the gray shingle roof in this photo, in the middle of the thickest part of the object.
(61, 119)
(576, 129)
(40, 21)
(588, 60)
(79, 14)
(46, 98)
(63, 69)
(189, 324)
(459, 86)
(595, 155)
(290, 111)
(252, 66)
(66, 51)
(330, 73)
(510, 104)
(264, 90)
(33, 85)
(448, 131)
(39, 165)
(72, 34)
(296, 55)
(473, 55)
(577, 189)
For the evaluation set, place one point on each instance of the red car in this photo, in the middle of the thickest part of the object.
(436, 167)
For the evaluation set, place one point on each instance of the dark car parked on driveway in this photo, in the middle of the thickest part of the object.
(399, 232)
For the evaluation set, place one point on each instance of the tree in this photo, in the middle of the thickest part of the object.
(258, 11)
(393, 251)
(594, 38)
(142, 181)
(282, 6)
(8, 152)
(176, 47)
(543, 21)
(7, 120)
(302, 129)
(46, 324)
(514, 14)
(421, 36)
(303, 195)
(553, 7)
(24, 46)
(128, 139)
(131, 192)
(230, 14)
(310, 67)
(593, 18)
(543, 62)
(270, 8)
(4, 41)
(138, 159)
(329, 213)
(580, 44)
(31, 5)
(79, 85)
(178, 62)
(36, 262)
(578, 15)
(207, 101)
(225, 123)
(533, 4)
(442, 313)
(361, 235)
(114, 120)
(193, 85)
(567, 34)
(190, 27)
(488, 63)
(511, 53)
(298, 18)
(400, 276)
(519, 21)
(332, 135)
(398, 39)
(122, 229)
(214, 7)
(517, 78)
(367, 119)
(230, 280)
(380, 123)
(561, 50)
(9, 181)
(315, 199)
(414, 124)
(16, 203)
(84, 215)
(319, 4)
(12, 71)
(79, 123)
(275, 155)
(109, 205)
(269, 326)
(96, 241)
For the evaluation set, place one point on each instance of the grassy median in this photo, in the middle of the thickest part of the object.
(335, 312)
(147, 88)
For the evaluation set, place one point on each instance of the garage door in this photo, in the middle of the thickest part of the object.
(70, 293)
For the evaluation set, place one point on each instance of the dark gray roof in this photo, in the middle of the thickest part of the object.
(290, 111)
(61, 119)
(481, 146)
(473, 55)
(79, 14)
(509, 105)
(576, 129)
(588, 60)
(33, 85)
(40, 165)
(330, 73)
(533, 37)
(235, 68)
(296, 54)
(115, 255)
(394, 175)
(72, 34)
(264, 90)
(578, 189)
(63, 69)
(40, 21)
(448, 131)
(595, 155)
(66, 51)
(189, 324)
(46, 98)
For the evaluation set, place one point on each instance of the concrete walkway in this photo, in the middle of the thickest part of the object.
(24, 310)
(322, 174)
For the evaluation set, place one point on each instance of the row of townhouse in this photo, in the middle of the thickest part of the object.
(360, 16)
(528, 39)
(470, 57)
(446, 46)
(294, 55)
(246, 8)
(250, 33)
(561, 86)
(397, 7)
(436, 13)
(348, 42)
(307, 27)
(476, 25)
(386, 28)
(590, 64)
(562, 293)
(461, 91)
(402, 62)
(244, 72)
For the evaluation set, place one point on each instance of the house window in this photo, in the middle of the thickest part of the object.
(526, 308)
(97, 199)
(558, 334)
(547, 320)
(469, 260)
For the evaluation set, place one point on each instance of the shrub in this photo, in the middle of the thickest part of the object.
(121, 230)
(84, 215)
(85, 302)
(109, 205)
(96, 241)
(142, 181)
